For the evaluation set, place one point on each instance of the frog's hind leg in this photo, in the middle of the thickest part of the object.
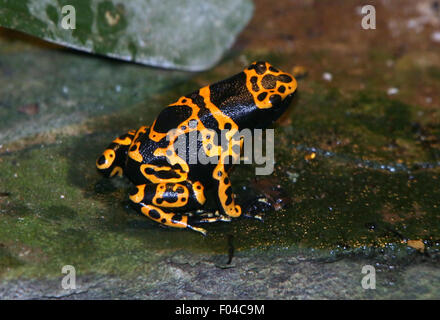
(170, 219)
(225, 196)
(170, 204)
(112, 160)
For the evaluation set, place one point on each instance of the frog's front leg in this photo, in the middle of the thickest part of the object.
(112, 160)
(224, 192)
(226, 197)
(164, 202)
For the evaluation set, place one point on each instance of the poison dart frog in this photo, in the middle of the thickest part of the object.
(169, 188)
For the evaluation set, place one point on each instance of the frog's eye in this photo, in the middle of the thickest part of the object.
(260, 67)
(275, 99)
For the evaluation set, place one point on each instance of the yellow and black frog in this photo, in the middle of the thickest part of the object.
(170, 188)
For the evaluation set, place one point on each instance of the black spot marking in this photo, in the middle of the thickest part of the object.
(273, 69)
(226, 181)
(177, 217)
(282, 89)
(167, 174)
(228, 126)
(154, 214)
(163, 220)
(162, 174)
(133, 147)
(262, 96)
(269, 81)
(228, 194)
(285, 78)
(149, 171)
(159, 200)
(254, 83)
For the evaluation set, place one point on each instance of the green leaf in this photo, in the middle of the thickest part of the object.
(183, 34)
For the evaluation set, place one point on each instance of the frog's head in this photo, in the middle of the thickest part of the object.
(257, 96)
(268, 85)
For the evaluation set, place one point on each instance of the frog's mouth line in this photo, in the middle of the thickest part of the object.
(289, 97)
(286, 102)
(279, 109)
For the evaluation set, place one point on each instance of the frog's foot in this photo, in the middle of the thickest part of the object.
(258, 217)
(209, 217)
(256, 208)
(112, 160)
(164, 202)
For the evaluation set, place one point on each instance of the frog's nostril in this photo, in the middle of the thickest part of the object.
(285, 78)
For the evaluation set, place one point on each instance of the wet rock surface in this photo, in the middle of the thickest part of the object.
(270, 275)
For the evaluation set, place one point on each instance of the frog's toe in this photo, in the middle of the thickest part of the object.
(209, 217)
(215, 219)
(258, 217)
(198, 229)
(257, 207)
